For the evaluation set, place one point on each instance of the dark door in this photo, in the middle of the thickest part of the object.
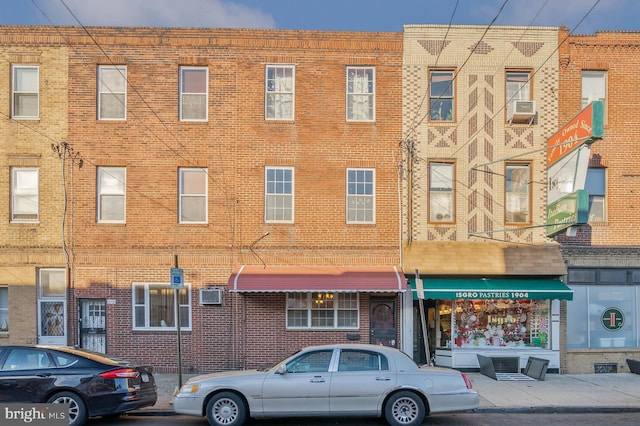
(383, 322)
(93, 324)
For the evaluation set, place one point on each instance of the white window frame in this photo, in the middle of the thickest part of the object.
(312, 308)
(111, 185)
(145, 306)
(18, 93)
(278, 192)
(52, 283)
(517, 193)
(517, 87)
(117, 89)
(279, 92)
(361, 195)
(20, 214)
(442, 200)
(185, 94)
(361, 94)
(4, 308)
(185, 196)
(594, 88)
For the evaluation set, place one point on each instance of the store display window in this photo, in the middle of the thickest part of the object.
(497, 323)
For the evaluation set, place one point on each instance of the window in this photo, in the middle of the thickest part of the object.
(112, 92)
(52, 283)
(356, 360)
(311, 362)
(4, 309)
(594, 87)
(25, 102)
(441, 192)
(518, 88)
(322, 310)
(595, 184)
(111, 194)
(361, 94)
(193, 93)
(279, 92)
(24, 195)
(27, 359)
(278, 196)
(154, 306)
(361, 187)
(517, 192)
(193, 195)
(441, 90)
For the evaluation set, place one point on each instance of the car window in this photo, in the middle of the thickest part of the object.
(357, 360)
(65, 360)
(310, 362)
(27, 359)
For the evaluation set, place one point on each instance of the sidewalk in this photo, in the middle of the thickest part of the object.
(596, 393)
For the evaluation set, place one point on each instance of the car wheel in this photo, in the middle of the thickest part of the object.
(226, 409)
(404, 409)
(77, 410)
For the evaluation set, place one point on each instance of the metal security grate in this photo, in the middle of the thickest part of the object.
(611, 367)
(506, 364)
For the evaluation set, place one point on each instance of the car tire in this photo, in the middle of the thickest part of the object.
(77, 410)
(226, 409)
(404, 409)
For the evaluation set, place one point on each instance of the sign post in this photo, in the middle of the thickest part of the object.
(177, 283)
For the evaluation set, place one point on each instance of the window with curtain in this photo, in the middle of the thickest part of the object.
(278, 196)
(279, 92)
(441, 191)
(193, 93)
(518, 193)
(25, 92)
(112, 92)
(441, 95)
(360, 93)
(361, 195)
(595, 185)
(323, 310)
(25, 194)
(193, 195)
(111, 194)
(154, 306)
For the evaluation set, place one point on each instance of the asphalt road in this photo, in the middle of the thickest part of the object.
(463, 419)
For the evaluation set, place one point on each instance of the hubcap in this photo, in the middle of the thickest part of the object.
(225, 411)
(405, 410)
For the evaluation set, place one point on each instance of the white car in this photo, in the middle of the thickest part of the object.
(330, 381)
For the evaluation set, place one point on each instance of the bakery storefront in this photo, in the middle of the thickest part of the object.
(514, 316)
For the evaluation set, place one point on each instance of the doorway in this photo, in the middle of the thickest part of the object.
(383, 322)
(93, 324)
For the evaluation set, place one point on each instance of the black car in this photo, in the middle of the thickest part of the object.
(92, 384)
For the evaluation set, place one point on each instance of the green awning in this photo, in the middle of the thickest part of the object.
(479, 288)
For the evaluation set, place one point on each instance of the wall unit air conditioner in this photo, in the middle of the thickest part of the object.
(211, 296)
(522, 112)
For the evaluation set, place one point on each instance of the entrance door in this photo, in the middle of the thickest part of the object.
(93, 324)
(383, 322)
(52, 324)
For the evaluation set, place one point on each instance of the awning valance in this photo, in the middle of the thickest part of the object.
(479, 288)
(251, 278)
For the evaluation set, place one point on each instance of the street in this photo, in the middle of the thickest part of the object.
(465, 419)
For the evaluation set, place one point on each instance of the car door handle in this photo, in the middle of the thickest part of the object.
(43, 374)
(383, 379)
(318, 379)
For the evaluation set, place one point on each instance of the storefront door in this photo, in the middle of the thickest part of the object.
(93, 330)
(383, 322)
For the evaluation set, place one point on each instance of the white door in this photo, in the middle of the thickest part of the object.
(52, 328)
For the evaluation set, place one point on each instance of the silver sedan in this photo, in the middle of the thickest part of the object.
(332, 380)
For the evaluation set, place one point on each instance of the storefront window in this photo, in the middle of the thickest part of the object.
(502, 323)
(443, 339)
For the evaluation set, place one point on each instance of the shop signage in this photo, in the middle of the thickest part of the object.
(568, 211)
(586, 127)
(514, 295)
(612, 319)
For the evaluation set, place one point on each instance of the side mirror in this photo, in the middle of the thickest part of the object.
(282, 369)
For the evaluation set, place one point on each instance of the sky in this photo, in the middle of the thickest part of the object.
(580, 16)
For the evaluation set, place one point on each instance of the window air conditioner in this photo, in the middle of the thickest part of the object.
(210, 296)
(522, 111)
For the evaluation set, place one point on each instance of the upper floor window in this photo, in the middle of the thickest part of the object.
(361, 94)
(596, 185)
(194, 93)
(25, 93)
(278, 194)
(24, 194)
(111, 194)
(441, 191)
(594, 88)
(154, 306)
(193, 203)
(361, 196)
(279, 92)
(322, 310)
(112, 92)
(518, 193)
(518, 88)
(441, 95)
